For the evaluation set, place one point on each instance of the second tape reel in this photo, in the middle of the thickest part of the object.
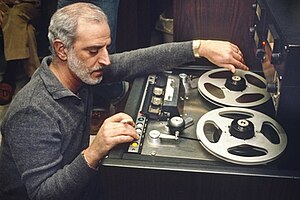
(241, 135)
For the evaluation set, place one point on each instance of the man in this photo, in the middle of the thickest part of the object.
(110, 93)
(20, 48)
(45, 150)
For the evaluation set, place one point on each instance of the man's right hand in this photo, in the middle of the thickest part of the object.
(115, 130)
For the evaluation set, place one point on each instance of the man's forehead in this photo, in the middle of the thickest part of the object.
(92, 27)
(92, 33)
(84, 21)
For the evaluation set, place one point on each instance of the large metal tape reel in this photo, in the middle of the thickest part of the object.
(242, 89)
(241, 135)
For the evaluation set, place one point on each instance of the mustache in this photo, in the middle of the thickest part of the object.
(97, 68)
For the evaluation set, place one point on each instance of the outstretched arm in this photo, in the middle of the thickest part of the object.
(162, 57)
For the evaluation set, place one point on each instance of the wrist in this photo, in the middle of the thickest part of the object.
(196, 46)
(91, 160)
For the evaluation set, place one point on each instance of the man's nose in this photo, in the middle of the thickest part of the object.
(104, 57)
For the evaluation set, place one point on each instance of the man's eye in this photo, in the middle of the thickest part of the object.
(93, 51)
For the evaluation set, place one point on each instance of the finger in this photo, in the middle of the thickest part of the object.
(229, 66)
(122, 139)
(240, 53)
(241, 65)
(119, 117)
(238, 61)
(130, 131)
(234, 47)
(239, 57)
(128, 121)
(111, 134)
(123, 129)
(110, 142)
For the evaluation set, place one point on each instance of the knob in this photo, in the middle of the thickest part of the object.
(272, 88)
(242, 129)
(176, 125)
(276, 58)
(235, 83)
(154, 137)
(260, 53)
(183, 77)
(252, 29)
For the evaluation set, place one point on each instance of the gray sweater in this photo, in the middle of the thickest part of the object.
(47, 126)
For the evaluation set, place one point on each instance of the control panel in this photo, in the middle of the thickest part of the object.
(140, 127)
(162, 100)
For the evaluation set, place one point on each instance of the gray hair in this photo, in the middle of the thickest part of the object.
(63, 23)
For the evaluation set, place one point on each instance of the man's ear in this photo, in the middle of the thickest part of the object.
(60, 50)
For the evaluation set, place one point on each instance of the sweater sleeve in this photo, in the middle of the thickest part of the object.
(36, 146)
(153, 59)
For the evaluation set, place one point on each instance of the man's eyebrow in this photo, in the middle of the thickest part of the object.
(94, 47)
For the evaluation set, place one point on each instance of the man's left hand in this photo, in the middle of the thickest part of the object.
(223, 54)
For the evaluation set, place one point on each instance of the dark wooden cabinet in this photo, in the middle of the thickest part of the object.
(216, 19)
(136, 21)
(207, 19)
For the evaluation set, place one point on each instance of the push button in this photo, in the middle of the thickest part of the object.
(134, 144)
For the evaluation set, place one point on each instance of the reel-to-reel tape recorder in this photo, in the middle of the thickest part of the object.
(203, 114)
(206, 133)
(184, 116)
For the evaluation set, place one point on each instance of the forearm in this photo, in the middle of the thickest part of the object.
(149, 60)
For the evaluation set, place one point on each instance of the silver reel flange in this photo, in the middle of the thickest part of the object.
(241, 136)
(242, 89)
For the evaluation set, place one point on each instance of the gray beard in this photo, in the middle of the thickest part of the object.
(81, 71)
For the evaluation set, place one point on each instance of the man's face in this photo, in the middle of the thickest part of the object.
(89, 54)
